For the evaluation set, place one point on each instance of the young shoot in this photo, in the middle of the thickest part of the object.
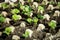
(58, 4)
(4, 5)
(15, 11)
(40, 9)
(35, 20)
(16, 17)
(2, 19)
(8, 30)
(29, 20)
(30, 0)
(52, 24)
(28, 33)
(27, 10)
(40, 16)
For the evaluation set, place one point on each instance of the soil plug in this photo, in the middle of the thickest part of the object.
(7, 20)
(23, 24)
(4, 13)
(57, 13)
(40, 27)
(28, 33)
(15, 37)
(35, 4)
(47, 17)
(50, 7)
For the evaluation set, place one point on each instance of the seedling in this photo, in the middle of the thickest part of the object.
(40, 8)
(8, 30)
(52, 2)
(26, 34)
(15, 11)
(40, 16)
(2, 19)
(4, 5)
(59, 4)
(16, 17)
(35, 20)
(52, 24)
(30, 0)
(27, 10)
(29, 20)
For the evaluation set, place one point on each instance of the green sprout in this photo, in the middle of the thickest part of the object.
(59, 4)
(2, 19)
(51, 2)
(35, 20)
(15, 11)
(29, 0)
(40, 16)
(26, 34)
(40, 8)
(52, 24)
(29, 20)
(22, 6)
(4, 5)
(7, 30)
(16, 17)
(27, 10)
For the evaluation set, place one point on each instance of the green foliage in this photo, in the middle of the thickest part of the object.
(16, 17)
(35, 19)
(27, 10)
(59, 4)
(26, 34)
(52, 24)
(29, 20)
(4, 5)
(15, 11)
(40, 8)
(51, 2)
(7, 30)
(40, 16)
(2, 19)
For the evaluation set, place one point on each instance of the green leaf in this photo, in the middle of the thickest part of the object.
(40, 8)
(35, 19)
(16, 17)
(29, 20)
(2, 19)
(52, 24)
(15, 11)
(4, 5)
(59, 4)
(26, 34)
(7, 30)
(40, 16)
